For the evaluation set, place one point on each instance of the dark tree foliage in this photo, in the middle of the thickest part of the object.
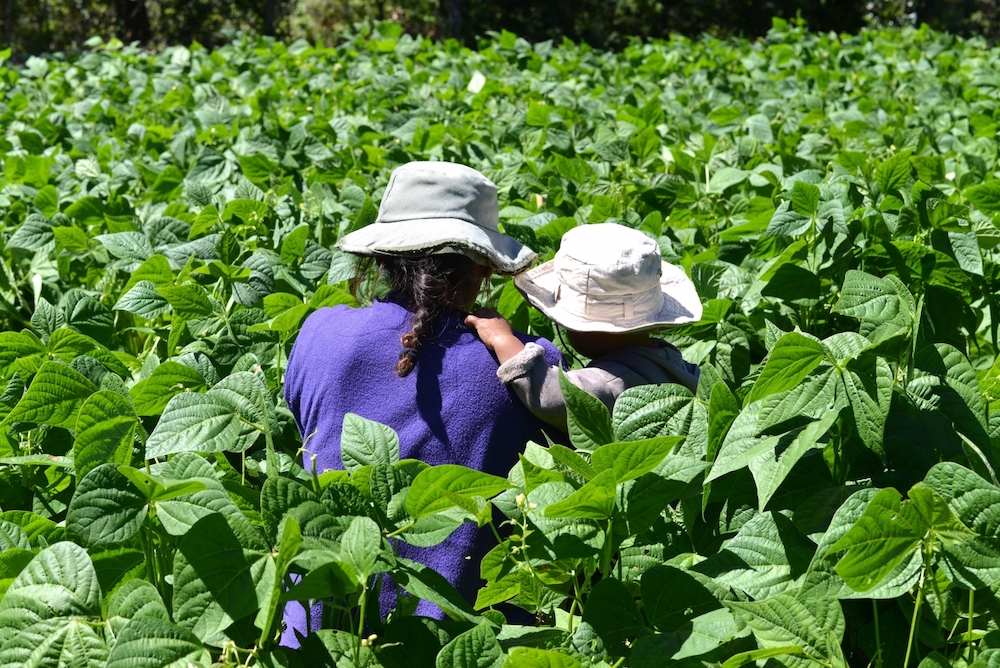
(33, 26)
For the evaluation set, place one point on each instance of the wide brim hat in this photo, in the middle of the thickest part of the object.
(431, 208)
(610, 278)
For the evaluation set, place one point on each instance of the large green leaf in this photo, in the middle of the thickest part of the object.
(106, 508)
(365, 442)
(212, 582)
(886, 534)
(531, 657)
(595, 500)
(790, 361)
(442, 487)
(196, 422)
(588, 420)
(147, 642)
(612, 612)
(783, 620)
(56, 642)
(152, 394)
(884, 306)
(476, 648)
(767, 556)
(54, 397)
(630, 460)
(60, 582)
(105, 431)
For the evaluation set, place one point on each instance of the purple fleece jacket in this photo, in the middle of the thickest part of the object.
(451, 409)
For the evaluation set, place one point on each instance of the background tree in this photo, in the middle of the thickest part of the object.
(33, 26)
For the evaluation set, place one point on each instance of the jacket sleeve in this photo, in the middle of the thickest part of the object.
(536, 384)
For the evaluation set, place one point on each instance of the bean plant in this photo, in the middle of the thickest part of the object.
(827, 497)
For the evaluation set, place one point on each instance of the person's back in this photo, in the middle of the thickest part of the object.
(409, 361)
(443, 412)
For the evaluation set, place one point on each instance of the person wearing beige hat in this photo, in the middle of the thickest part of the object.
(609, 287)
(407, 360)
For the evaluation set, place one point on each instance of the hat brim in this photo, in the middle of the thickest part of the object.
(435, 236)
(681, 304)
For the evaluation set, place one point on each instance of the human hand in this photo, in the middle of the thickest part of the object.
(495, 333)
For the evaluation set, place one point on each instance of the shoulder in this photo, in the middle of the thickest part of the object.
(553, 356)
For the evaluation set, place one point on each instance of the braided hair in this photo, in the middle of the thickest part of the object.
(432, 286)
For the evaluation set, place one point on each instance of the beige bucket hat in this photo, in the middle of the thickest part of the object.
(432, 208)
(610, 278)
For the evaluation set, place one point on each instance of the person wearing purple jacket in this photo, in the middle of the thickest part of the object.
(409, 360)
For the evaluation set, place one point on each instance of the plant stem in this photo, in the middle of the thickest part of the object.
(878, 636)
(916, 617)
(972, 648)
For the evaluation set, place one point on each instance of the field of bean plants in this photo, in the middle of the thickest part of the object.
(828, 497)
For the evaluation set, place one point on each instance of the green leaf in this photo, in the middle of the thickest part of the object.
(727, 177)
(134, 599)
(361, 545)
(793, 284)
(152, 394)
(212, 582)
(319, 527)
(595, 500)
(47, 201)
(197, 422)
(671, 596)
(476, 648)
(531, 657)
(51, 642)
(754, 655)
(892, 174)
(886, 533)
(632, 459)
(868, 382)
(985, 196)
(442, 487)
(365, 442)
(187, 300)
(767, 556)
(54, 397)
(612, 612)
(289, 542)
(783, 621)
(770, 469)
(429, 585)
(156, 488)
(587, 418)
(258, 168)
(143, 300)
(248, 210)
(59, 582)
(646, 411)
(939, 519)
(805, 198)
(127, 245)
(789, 362)
(105, 431)
(883, 305)
(106, 509)
(147, 642)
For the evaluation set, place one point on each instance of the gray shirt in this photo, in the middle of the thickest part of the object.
(537, 384)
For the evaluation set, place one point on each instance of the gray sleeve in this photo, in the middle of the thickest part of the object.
(537, 385)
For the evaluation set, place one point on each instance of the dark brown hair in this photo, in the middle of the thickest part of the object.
(431, 286)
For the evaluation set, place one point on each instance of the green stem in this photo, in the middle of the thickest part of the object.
(916, 617)
(878, 637)
(972, 647)
(361, 625)
(606, 551)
